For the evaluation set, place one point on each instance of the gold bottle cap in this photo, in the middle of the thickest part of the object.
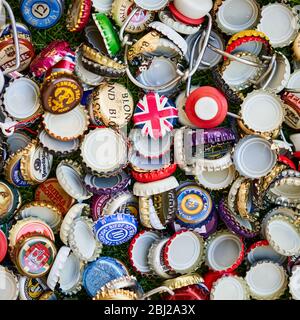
(116, 294)
(183, 281)
(34, 255)
(44, 211)
(296, 48)
(12, 170)
(36, 163)
(112, 104)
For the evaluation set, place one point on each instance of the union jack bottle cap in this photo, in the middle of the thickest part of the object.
(155, 115)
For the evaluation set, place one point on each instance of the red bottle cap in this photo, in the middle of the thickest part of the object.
(179, 16)
(3, 245)
(193, 292)
(287, 161)
(206, 107)
(154, 175)
(212, 276)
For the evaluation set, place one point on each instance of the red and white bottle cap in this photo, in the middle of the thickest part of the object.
(206, 107)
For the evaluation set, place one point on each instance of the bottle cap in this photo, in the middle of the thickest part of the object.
(266, 280)
(149, 147)
(82, 241)
(70, 175)
(9, 289)
(224, 244)
(154, 175)
(183, 281)
(111, 185)
(115, 229)
(29, 226)
(51, 191)
(188, 260)
(193, 10)
(194, 292)
(235, 223)
(97, 204)
(67, 126)
(237, 15)
(17, 141)
(167, 18)
(110, 39)
(194, 205)
(116, 294)
(184, 19)
(49, 56)
(100, 272)
(75, 212)
(78, 15)
(9, 60)
(294, 288)
(230, 288)
(143, 164)
(103, 6)
(155, 115)
(139, 249)
(171, 34)
(261, 250)
(210, 58)
(253, 157)
(21, 99)
(34, 255)
(100, 64)
(156, 261)
(10, 201)
(61, 93)
(3, 245)
(57, 147)
(31, 288)
(84, 75)
(283, 235)
(139, 23)
(287, 24)
(42, 210)
(112, 104)
(121, 202)
(70, 279)
(206, 107)
(48, 295)
(155, 187)
(253, 41)
(216, 180)
(151, 5)
(240, 76)
(12, 170)
(36, 163)
(104, 151)
(40, 14)
(21, 29)
(281, 75)
(57, 267)
(255, 118)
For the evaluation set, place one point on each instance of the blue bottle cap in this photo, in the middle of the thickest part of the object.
(6, 30)
(16, 176)
(41, 14)
(115, 229)
(98, 273)
(194, 205)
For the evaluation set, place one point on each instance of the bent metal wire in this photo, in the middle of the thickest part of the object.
(5, 126)
(270, 62)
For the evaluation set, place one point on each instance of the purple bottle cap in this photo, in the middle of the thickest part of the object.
(97, 204)
(204, 230)
(236, 224)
